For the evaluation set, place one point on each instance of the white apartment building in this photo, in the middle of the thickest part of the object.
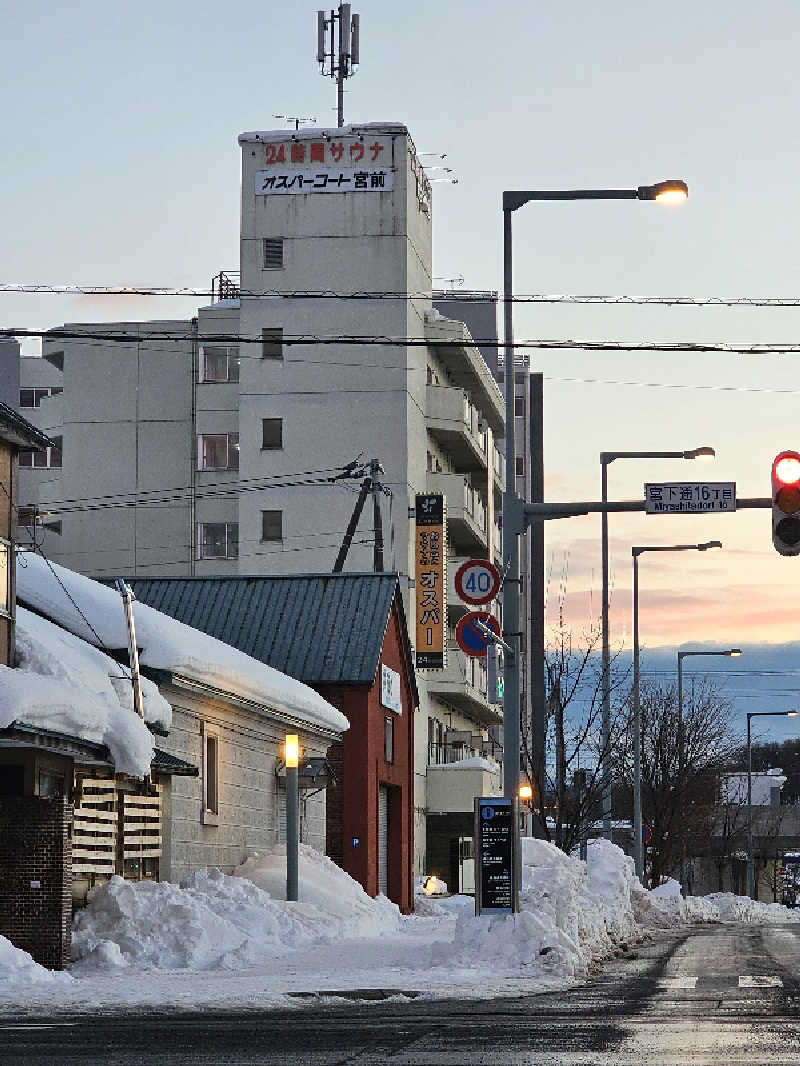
(202, 446)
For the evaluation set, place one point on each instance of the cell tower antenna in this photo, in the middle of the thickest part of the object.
(338, 60)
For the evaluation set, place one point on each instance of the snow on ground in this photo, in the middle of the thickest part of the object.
(166, 643)
(234, 942)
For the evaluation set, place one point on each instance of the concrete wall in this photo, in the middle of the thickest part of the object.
(9, 371)
(250, 796)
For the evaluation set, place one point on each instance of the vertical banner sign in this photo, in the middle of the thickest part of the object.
(430, 574)
(496, 835)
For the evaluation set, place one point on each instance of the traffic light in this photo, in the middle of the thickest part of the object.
(494, 670)
(786, 503)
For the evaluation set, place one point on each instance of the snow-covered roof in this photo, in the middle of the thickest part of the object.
(64, 685)
(73, 601)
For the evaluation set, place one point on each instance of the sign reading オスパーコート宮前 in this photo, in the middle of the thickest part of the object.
(345, 179)
(430, 574)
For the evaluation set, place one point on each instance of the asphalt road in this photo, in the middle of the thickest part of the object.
(717, 996)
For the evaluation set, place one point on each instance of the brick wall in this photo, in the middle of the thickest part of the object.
(36, 846)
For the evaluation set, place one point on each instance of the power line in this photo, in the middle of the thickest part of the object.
(142, 496)
(472, 297)
(376, 340)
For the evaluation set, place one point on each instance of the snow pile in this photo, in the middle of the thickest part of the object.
(166, 643)
(660, 910)
(572, 914)
(18, 969)
(215, 921)
(325, 890)
(67, 686)
(668, 888)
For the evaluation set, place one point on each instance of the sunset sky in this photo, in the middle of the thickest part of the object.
(123, 168)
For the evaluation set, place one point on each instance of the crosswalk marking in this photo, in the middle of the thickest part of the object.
(761, 981)
(677, 982)
(704, 982)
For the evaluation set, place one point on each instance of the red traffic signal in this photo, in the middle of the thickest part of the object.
(786, 503)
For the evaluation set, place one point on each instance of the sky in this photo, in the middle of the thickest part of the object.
(122, 167)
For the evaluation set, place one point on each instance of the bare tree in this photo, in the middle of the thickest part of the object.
(681, 763)
(568, 802)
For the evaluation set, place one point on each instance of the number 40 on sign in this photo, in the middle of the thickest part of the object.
(477, 581)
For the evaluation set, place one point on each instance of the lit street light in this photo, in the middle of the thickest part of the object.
(731, 653)
(637, 713)
(292, 758)
(751, 880)
(513, 517)
(605, 459)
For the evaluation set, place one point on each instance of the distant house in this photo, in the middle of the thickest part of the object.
(345, 635)
(86, 792)
(775, 831)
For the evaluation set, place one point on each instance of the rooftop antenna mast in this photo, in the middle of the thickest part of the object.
(338, 62)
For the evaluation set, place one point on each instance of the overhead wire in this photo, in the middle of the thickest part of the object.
(385, 340)
(442, 296)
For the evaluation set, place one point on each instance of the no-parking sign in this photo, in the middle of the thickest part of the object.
(470, 638)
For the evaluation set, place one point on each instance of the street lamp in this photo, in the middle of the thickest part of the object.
(292, 758)
(513, 519)
(751, 880)
(637, 713)
(606, 458)
(731, 653)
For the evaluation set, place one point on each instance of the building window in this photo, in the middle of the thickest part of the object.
(218, 363)
(272, 525)
(272, 343)
(218, 540)
(34, 397)
(51, 784)
(42, 458)
(218, 451)
(388, 738)
(271, 432)
(519, 466)
(210, 776)
(519, 406)
(273, 253)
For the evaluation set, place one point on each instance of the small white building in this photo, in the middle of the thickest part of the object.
(198, 782)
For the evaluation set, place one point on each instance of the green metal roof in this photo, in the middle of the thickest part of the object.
(318, 628)
(18, 430)
(164, 763)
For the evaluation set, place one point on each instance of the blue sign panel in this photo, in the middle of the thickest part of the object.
(495, 884)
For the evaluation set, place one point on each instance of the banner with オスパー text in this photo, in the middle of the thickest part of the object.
(431, 581)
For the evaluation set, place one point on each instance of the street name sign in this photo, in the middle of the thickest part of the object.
(477, 581)
(496, 855)
(690, 497)
(470, 637)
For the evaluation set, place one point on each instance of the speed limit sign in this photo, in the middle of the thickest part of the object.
(477, 581)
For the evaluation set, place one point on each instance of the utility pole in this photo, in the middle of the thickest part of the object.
(338, 62)
(371, 485)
